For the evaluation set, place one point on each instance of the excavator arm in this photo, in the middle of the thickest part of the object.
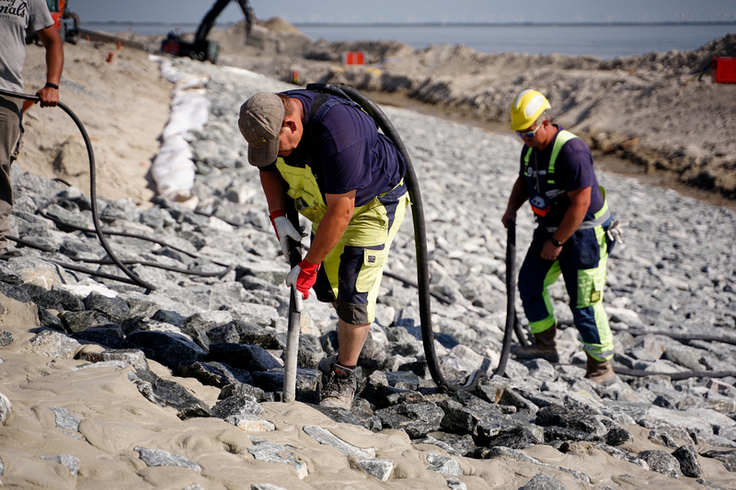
(209, 19)
(202, 49)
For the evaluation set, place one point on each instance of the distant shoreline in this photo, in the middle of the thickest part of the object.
(504, 24)
(441, 24)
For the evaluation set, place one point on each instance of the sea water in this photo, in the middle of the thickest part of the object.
(601, 40)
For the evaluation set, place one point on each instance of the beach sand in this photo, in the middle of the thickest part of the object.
(124, 105)
(114, 419)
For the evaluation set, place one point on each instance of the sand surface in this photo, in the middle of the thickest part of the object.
(114, 419)
(124, 106)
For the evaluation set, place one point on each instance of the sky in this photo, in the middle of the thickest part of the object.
(363, 11)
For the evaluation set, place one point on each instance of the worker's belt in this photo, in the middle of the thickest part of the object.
(585, 225)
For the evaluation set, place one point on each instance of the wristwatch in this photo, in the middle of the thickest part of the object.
(555, 242)
(52, 85)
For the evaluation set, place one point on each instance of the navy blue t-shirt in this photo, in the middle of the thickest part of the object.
(573, 171)
(346, 152)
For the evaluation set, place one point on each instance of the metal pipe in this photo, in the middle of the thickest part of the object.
(295, 317)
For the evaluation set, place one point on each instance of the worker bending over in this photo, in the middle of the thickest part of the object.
(348, 180)
(556, 176)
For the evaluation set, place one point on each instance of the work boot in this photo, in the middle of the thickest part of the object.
(339, 390)
(544, 346)
(600, 372)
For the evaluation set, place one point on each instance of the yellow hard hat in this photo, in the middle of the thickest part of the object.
(526, 109)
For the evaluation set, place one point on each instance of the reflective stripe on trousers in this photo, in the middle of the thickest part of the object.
(582, 263)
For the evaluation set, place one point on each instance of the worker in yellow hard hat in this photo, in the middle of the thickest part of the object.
(556, 176)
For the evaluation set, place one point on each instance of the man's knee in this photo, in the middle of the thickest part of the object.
(353, 314)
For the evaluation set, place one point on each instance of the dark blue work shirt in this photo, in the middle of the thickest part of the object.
(346, 152)
(573, 171)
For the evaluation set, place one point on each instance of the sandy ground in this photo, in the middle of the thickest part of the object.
(115, 419)
(124, 106)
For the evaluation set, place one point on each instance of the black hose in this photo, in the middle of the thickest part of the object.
(156, 265)
(520, 333)
(510, 297)
(163, 243)
(92, 190)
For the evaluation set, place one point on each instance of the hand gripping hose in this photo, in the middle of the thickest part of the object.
(92, 190)
(420, 235)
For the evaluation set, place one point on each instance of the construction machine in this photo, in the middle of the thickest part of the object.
(66, 22)
(203, 50)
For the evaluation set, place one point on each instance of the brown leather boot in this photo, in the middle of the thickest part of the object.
(599, 371)
(544, 346)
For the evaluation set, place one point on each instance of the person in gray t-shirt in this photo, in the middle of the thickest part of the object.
(15, 17)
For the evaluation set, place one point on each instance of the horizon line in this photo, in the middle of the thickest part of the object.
(442, 24)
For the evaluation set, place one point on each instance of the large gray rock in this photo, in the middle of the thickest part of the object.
(243, 356)
(444, 465)
(70, 461)
(5, 409)
(542, 481)
(242, 411)
(159, 457)
(416, 419)
(276, 453)
(688, 458)
(168, 348)
(662, 462)
(168, 393)
(65, 419)
(54, 344)
(728, 458)
(323, 436)
(214, 373)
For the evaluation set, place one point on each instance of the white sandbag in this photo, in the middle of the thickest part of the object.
(173, 169)
(189, 111)
(192, 81)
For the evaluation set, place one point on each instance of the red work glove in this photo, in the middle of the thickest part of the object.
(303, 277)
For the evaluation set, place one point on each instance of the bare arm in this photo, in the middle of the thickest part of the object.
(519, 195)
(273, 188)
(54, 64)
(575, 214)
(332, 227)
